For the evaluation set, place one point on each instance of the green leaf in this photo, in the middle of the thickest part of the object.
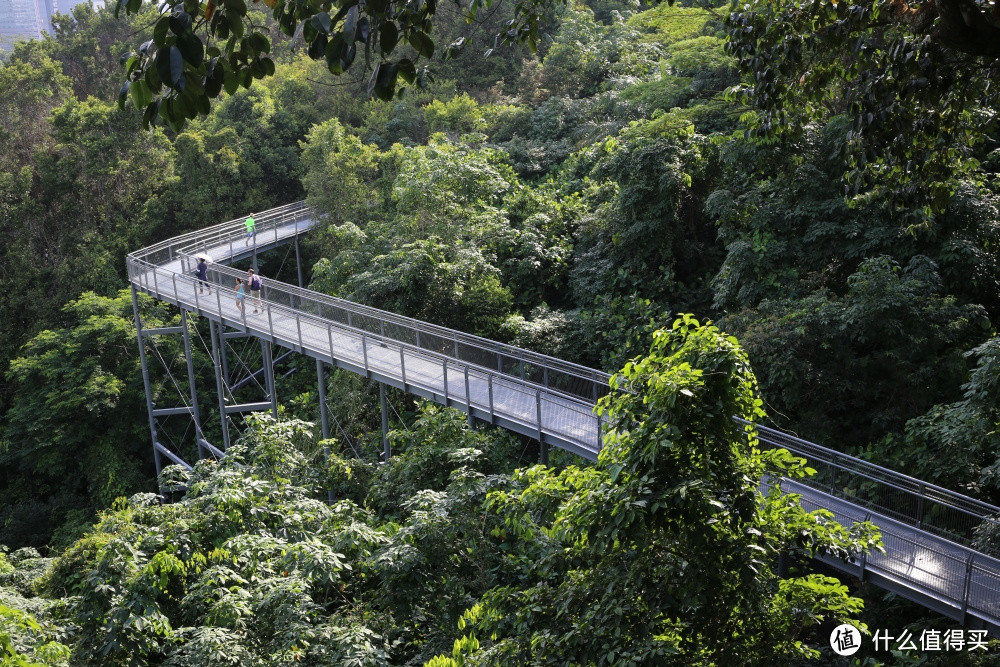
(160, 31)
(192, 49)
(123, 94)
(407, 70)
(383, 81)
(169, 65)
(150, 114)
(259, 43)
(364, 29)
(333, 52)
(138, 94)
(421, 43)
(388, 37)
(319, 46)
(232, 82)
(180, 22)
(347, 56)
(321, 22)
(350, 25)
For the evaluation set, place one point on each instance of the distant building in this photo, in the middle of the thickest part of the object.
(23, 19)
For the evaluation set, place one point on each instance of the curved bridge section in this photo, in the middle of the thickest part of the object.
(927, 530)
(523, 391)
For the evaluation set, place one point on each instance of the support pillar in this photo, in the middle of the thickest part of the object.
(543, 452)
(195, 414)
(272, 395)
(220, 390)
(255, 269)
(468, 400)
(145, 380)
(321, 384)
(386, 453)
(226, 378)
(298, 262)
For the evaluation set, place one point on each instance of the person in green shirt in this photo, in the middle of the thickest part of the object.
(250, 228)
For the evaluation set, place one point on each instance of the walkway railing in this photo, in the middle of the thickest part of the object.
(550, 373)
(231, 232)
(906, 499)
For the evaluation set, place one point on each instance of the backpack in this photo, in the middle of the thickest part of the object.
(255, 282)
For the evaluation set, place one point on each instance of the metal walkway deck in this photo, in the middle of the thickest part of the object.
(553, 401)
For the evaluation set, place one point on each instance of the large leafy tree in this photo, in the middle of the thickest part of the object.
(914, 78)
(76, 435)
(662, 553)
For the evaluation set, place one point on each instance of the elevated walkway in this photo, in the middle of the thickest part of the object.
(926, 530)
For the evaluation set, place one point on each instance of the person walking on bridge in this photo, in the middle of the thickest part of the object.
(255, 282)
(203, 275)
(251, 228)
(240, 295)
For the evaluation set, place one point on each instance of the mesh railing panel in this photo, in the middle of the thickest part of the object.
(960, 577)
(890, 493)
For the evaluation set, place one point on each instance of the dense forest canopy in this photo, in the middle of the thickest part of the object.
(574, 192)
(912, 79)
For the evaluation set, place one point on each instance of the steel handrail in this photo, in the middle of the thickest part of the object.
(514, 353)
(923, 574)
(922, 496)
(198, 233)
(832, 456)
(146, 273)
(585, 408)
(190, 244)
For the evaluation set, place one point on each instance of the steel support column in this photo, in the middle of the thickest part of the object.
(255, 269)
(195, 414)
(219, 387)
(145, 380)
(226, 377)
(272, 395)
(386, 453)
(321, 385)
(468, 400)
(298, 262)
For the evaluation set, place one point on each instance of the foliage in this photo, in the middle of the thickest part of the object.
(76, 434)
(568, 200)
(604, 557)
(340, 173)
(246, 569)
(28, 638)
(174, 76)
(425, 456)
(954, 445)
(916, 88)
(853, 367)
(642, 229)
